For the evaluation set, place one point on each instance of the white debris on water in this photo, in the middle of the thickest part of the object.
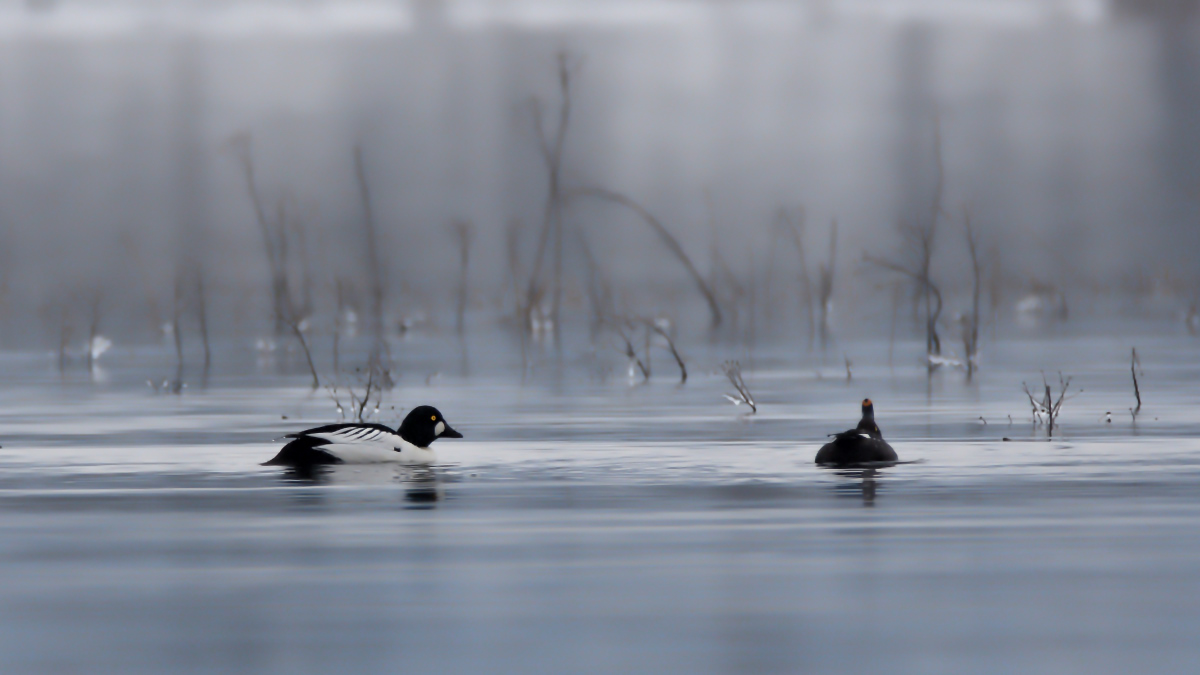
(98, 346)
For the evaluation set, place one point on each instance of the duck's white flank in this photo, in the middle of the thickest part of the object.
(364, 445)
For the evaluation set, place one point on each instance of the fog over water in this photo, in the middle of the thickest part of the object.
(1069, 133)
(647, 258)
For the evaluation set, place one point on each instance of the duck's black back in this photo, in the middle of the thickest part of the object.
(853, 447)
(303, 451)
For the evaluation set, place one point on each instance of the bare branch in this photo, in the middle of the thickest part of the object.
(552, 227)
(177, 333)
(1137, 392)
(463, 233)
(1047, 406)
(933, 294)
(683, 374)
(202, 315)
(93, 328)
(371, 242)
(366, 395)
(64, 338)
(667, 238)
(825, 276)
(733, 371)
(796, 229)
(971, 329)
(623, 330)
(274, 234)
(299, 333)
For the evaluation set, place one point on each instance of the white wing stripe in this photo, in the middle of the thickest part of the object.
(354, 435)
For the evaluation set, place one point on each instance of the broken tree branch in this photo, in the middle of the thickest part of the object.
(667, 238)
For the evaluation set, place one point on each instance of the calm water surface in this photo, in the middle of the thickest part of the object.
(590, 525)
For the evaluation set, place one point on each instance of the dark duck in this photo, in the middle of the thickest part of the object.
(863, 444)
(362, 443)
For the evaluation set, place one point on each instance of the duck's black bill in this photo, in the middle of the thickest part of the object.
(450, 433)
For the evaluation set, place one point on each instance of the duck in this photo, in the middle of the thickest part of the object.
(860, 445)
(365, 443)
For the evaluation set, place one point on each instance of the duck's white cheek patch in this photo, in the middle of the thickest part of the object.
(441, 426)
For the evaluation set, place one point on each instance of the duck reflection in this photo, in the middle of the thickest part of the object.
(863, 483)
(422, 487)
(310, 474)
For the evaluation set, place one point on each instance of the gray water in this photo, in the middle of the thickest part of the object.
(591, 524)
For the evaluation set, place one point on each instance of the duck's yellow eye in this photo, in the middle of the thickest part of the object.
(434, 418)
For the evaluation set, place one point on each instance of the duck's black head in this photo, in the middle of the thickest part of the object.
(868, 409)
(425, 425)
(867, 423)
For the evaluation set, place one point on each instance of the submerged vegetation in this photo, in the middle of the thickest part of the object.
(1045, 406)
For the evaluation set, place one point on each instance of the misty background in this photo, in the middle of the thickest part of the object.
(1069, 133)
